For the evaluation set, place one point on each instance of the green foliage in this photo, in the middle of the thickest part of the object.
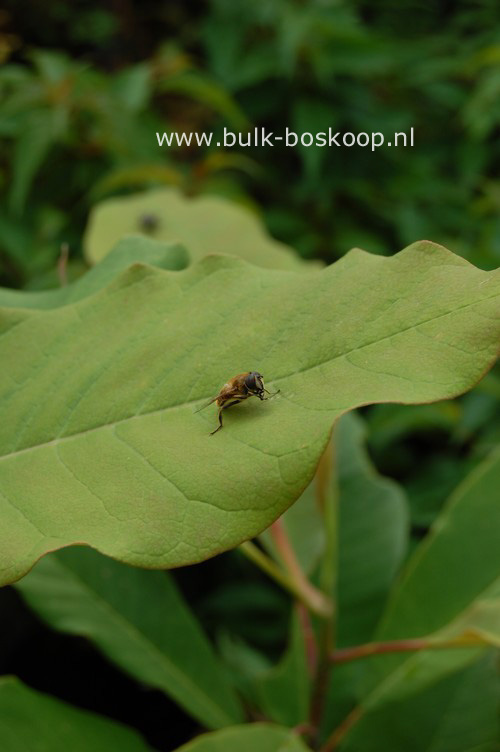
(410, 339)
(284, 691)
(373, 535)
(458, 712)
(261, 736)
(360, 68)
(394, 635)
(204, 225)
(466, 531)
(434, 696)
(438, 597)
(140, 621)
(34, 721)
(81, 130)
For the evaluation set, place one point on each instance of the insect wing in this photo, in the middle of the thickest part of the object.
(206, 404)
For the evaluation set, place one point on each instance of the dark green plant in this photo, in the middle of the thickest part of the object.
(102, 423)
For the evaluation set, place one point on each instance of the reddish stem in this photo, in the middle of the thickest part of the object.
(311, 647)
(322, 604)
(377, 648)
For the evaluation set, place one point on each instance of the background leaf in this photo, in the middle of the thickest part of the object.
(130, 249)
(41, 129)
(256, 736)
(206, 224)
(457, 713)
(463, 540)
(36, 722)
(140, 621)
(284, 690)
(373, 534)
(450, 585)
(106, 431)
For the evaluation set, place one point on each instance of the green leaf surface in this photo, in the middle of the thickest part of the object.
(33, 722)
(457, 565)
(284, 690)
(255, 737)
(140, 621)
(478, 625)
(206, 224)
(128, 250)
(373, 534)
(99, 442)
(449, 589)
(457, 713)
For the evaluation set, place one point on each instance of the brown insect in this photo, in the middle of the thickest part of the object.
(237, 389)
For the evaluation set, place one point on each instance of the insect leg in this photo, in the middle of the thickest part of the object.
(269, 393)
(224, 407)
(220, 422)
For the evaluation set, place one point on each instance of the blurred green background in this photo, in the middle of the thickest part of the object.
(85, 86)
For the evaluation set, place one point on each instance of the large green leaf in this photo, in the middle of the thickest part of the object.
(127, 251)
(450, 591)
(207, 224)
(99, 443)
(34, 722)
(140, 621)
(263, 737)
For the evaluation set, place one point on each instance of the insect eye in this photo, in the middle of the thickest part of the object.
(250, 382)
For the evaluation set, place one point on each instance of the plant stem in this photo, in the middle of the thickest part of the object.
(317, 601)
(311, 598)
(311, 647)
(396, 646)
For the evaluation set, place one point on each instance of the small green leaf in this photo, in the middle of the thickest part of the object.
(128, 250)
(255, 737)
(140, 621)
(206, 224)
(99, 439)
(36, 722)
